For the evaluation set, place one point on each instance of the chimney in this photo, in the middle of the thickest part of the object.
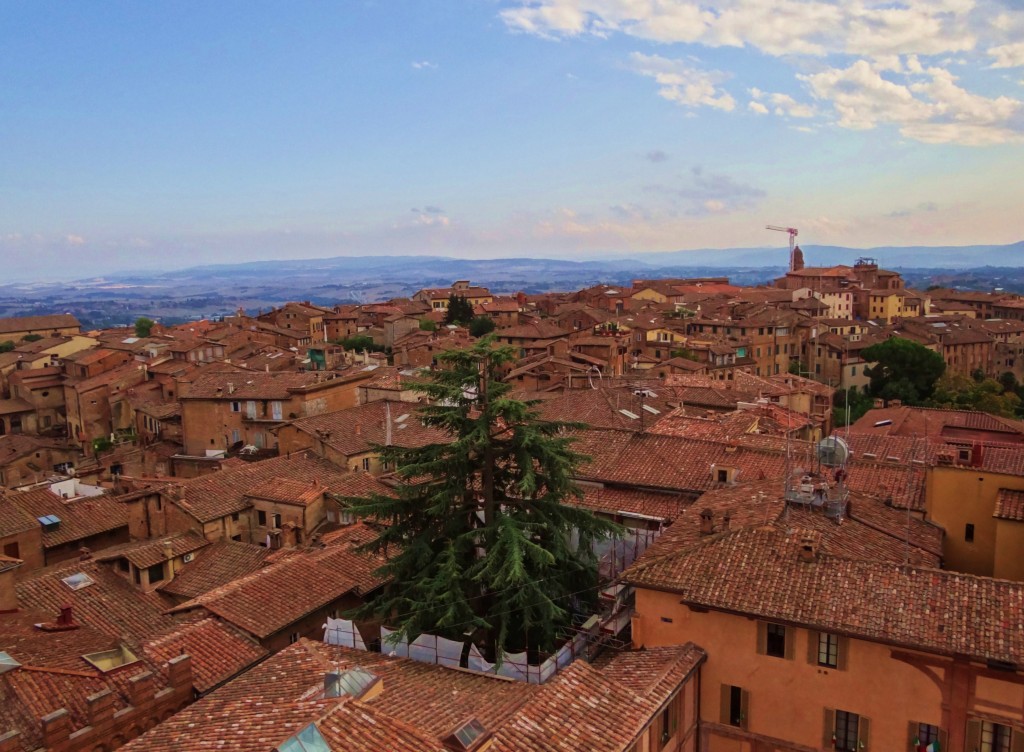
(359, 429)
(707, 521)
(8, 595)
(84, 554)
(10, 742)
(977, 455)
(726, 519)
(231, 388)
(67, 617)
(879, 403)
(808, 546)
(56, 728)
(895, 403)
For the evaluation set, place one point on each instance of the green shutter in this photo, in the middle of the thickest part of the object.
(830, 729)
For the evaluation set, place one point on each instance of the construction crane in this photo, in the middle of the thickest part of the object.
(793, 232)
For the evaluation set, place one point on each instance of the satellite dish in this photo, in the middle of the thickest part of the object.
(832, 451)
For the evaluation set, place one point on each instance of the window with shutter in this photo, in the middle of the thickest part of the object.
(734, 706)
(776, 641)
(847, 731)
(925, 737)
(995, 737)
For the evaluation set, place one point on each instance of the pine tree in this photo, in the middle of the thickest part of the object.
(460, 310)
(479, 537)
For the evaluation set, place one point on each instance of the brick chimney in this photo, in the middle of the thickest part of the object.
(707, 521)
(977, 455)
(8, 595)
(809, 544)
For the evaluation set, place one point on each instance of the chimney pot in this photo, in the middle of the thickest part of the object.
(67, 616)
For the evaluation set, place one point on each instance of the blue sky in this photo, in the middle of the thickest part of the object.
(154, 135)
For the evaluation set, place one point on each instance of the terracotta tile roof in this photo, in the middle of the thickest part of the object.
(51, 321)
(236, 385)
(218, 650)
(216, 565)
(928, 421)
(1010, 505)
(758, 572)
(870, 530)
(357, 429)
(288, 491)
(14, 519)
(147, 553)
(79, 518)
(15, 405)
(614, 501)
(269, 599)
(585, 708)
(210, 497)
(603, 408)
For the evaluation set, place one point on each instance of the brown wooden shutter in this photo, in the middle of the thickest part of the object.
(843, 653)
(1017, 741)
(864, 732)
(830, 729)
(943, 740)
(762, 638)
(812, 647)
(726, 697)
(973, 741)
(745, 709)
(790, 643)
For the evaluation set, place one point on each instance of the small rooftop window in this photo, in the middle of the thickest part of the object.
(307, 740)
(78, 580)
(49, 522)
(108, 660)
(7, 663)
(652, 410)
(628, 414)
(468, 736)
(355, 682)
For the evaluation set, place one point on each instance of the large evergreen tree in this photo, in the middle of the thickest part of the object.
(479, 537)
(460, 310)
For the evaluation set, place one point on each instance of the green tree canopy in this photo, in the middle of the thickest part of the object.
(848, 406)
(143, 326)
(32, 338)
(428, 325)
(6, 346)
(481, 325)
(479, 536)
(460, 310)
(963, 393)
(904, 369)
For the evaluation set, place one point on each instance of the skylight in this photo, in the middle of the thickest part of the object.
(468, 736)
(400, 418)
(628, 414)
(78, 580)
(7, 663)
(355, 683)
(307, 740)
(652, 410)
(49, 522)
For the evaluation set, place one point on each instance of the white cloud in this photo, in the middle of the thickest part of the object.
(74, 240)
(682, 83)
(757, 107)
(424, 65)
(933, 110)
(776, 27)
(1007, 55)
